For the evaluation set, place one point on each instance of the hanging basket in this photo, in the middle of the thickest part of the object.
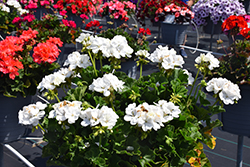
(236, 119)
(10, 130)
(173, 34)
(209, 29)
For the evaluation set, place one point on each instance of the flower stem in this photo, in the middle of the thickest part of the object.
(140, 70)
(100, 141)
(197, 74)
(93, 62)
(216, 102)
(112, 105)
(101, 65)
(41, 127)
(57, 98)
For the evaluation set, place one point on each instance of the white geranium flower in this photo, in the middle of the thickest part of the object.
(114, 82)
(58, 78)
(65, 72)
(66, 110)
(216, 85)
(31, 114)
(90, 117)
(100, 85)
(84, 39)
(142, 53)
(99, 44)
(170, 111)
(131, 114)
(75, 59)
(228, 91)
(22, 11)
(14, 3)
(167, 57)
(213, 62)
(47, 83)
(4, 8)
(150, 116)
(106, 83)
(190, 77)
(104, 116)
(108, 117)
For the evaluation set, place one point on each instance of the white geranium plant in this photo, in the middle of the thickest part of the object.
(109, 119)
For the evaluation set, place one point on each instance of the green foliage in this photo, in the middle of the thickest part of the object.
(235, 66)
(6, 25)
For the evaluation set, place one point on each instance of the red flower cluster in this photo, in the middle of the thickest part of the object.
(69, 23)
(9, 61)
(33, 4)
(47, 51)
(148, 8)
(181, 13)
(12, 48)
(93, 24)
(78, 7)
(9, 58)
(144, 32)
(236, 25)
(118, 9)
(27, 17)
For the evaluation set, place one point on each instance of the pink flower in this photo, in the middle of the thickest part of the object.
(17, 20)
(63, 12)
(84, 16)
(72, 24)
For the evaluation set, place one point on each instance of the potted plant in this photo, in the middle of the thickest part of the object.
(8, 11)
(51, 26)
(20, 74)
(175, 16)
(236, 24)
(235, 66)
(147, 9)
(109, 119)
(117, 12)
(213, 13)
(79, 10)
(37, 7)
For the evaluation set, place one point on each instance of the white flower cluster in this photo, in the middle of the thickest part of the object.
(142, 53)
(151, 116)
(66, 110)
(75, 59)
(117, 47)
(31, 114)
(106, 83)
(52, 80)
(213, 62)
(167, 57)
(15, 4)
(104, 116)
(85, 39)
(228, 91)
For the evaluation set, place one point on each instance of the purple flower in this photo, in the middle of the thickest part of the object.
(216, 10)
